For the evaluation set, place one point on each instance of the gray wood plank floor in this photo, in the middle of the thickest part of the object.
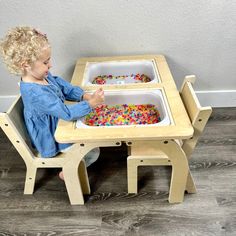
(109, 210)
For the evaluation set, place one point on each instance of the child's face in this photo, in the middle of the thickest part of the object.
(41, 67)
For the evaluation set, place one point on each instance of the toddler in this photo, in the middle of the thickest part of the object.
(27, 53)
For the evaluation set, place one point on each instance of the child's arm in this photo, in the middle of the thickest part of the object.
(50, 104)
(73, 93)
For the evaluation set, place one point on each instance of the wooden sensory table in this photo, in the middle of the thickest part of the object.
(86, 139)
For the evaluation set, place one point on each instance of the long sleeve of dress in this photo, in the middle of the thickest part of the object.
(51, 104)
(73, 93)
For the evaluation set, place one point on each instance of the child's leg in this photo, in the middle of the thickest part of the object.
(61, 176)
(92, 156)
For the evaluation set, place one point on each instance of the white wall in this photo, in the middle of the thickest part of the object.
(197, 37)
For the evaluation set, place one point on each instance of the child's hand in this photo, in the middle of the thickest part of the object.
(87, 96)
(96, 98)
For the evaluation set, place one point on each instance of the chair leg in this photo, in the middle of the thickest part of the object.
(83, 176)
(190, 185)
(132, 176)
(30, 179)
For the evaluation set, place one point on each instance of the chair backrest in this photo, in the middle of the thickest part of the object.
(198, 115)
(12, 123)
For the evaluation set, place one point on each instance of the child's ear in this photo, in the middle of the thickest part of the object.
(25, 65)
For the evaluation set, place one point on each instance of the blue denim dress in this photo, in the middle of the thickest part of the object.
(44, 105)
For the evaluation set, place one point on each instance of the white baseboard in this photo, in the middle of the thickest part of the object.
(216, 98)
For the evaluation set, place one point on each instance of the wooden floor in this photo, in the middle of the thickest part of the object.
(109, 210)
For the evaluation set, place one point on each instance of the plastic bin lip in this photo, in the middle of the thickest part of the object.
(120, 68)
(153, 96)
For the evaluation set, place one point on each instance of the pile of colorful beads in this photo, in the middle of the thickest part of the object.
(103, 79)
(107, 115)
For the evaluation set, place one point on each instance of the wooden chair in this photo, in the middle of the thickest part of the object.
(76, 178)
(150, 155)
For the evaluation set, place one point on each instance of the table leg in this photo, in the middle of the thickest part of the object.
(180, 169)
(74, 182)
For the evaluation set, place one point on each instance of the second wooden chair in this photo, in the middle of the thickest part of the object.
(151, 156)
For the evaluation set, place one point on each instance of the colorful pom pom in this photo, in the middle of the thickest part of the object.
(124, 114)
(103, 79)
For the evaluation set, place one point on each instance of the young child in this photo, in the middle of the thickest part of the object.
(27, 53)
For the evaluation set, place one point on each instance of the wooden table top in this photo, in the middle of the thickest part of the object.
(180, 127)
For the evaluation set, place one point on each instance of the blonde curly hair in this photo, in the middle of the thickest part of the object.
(22, 45)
